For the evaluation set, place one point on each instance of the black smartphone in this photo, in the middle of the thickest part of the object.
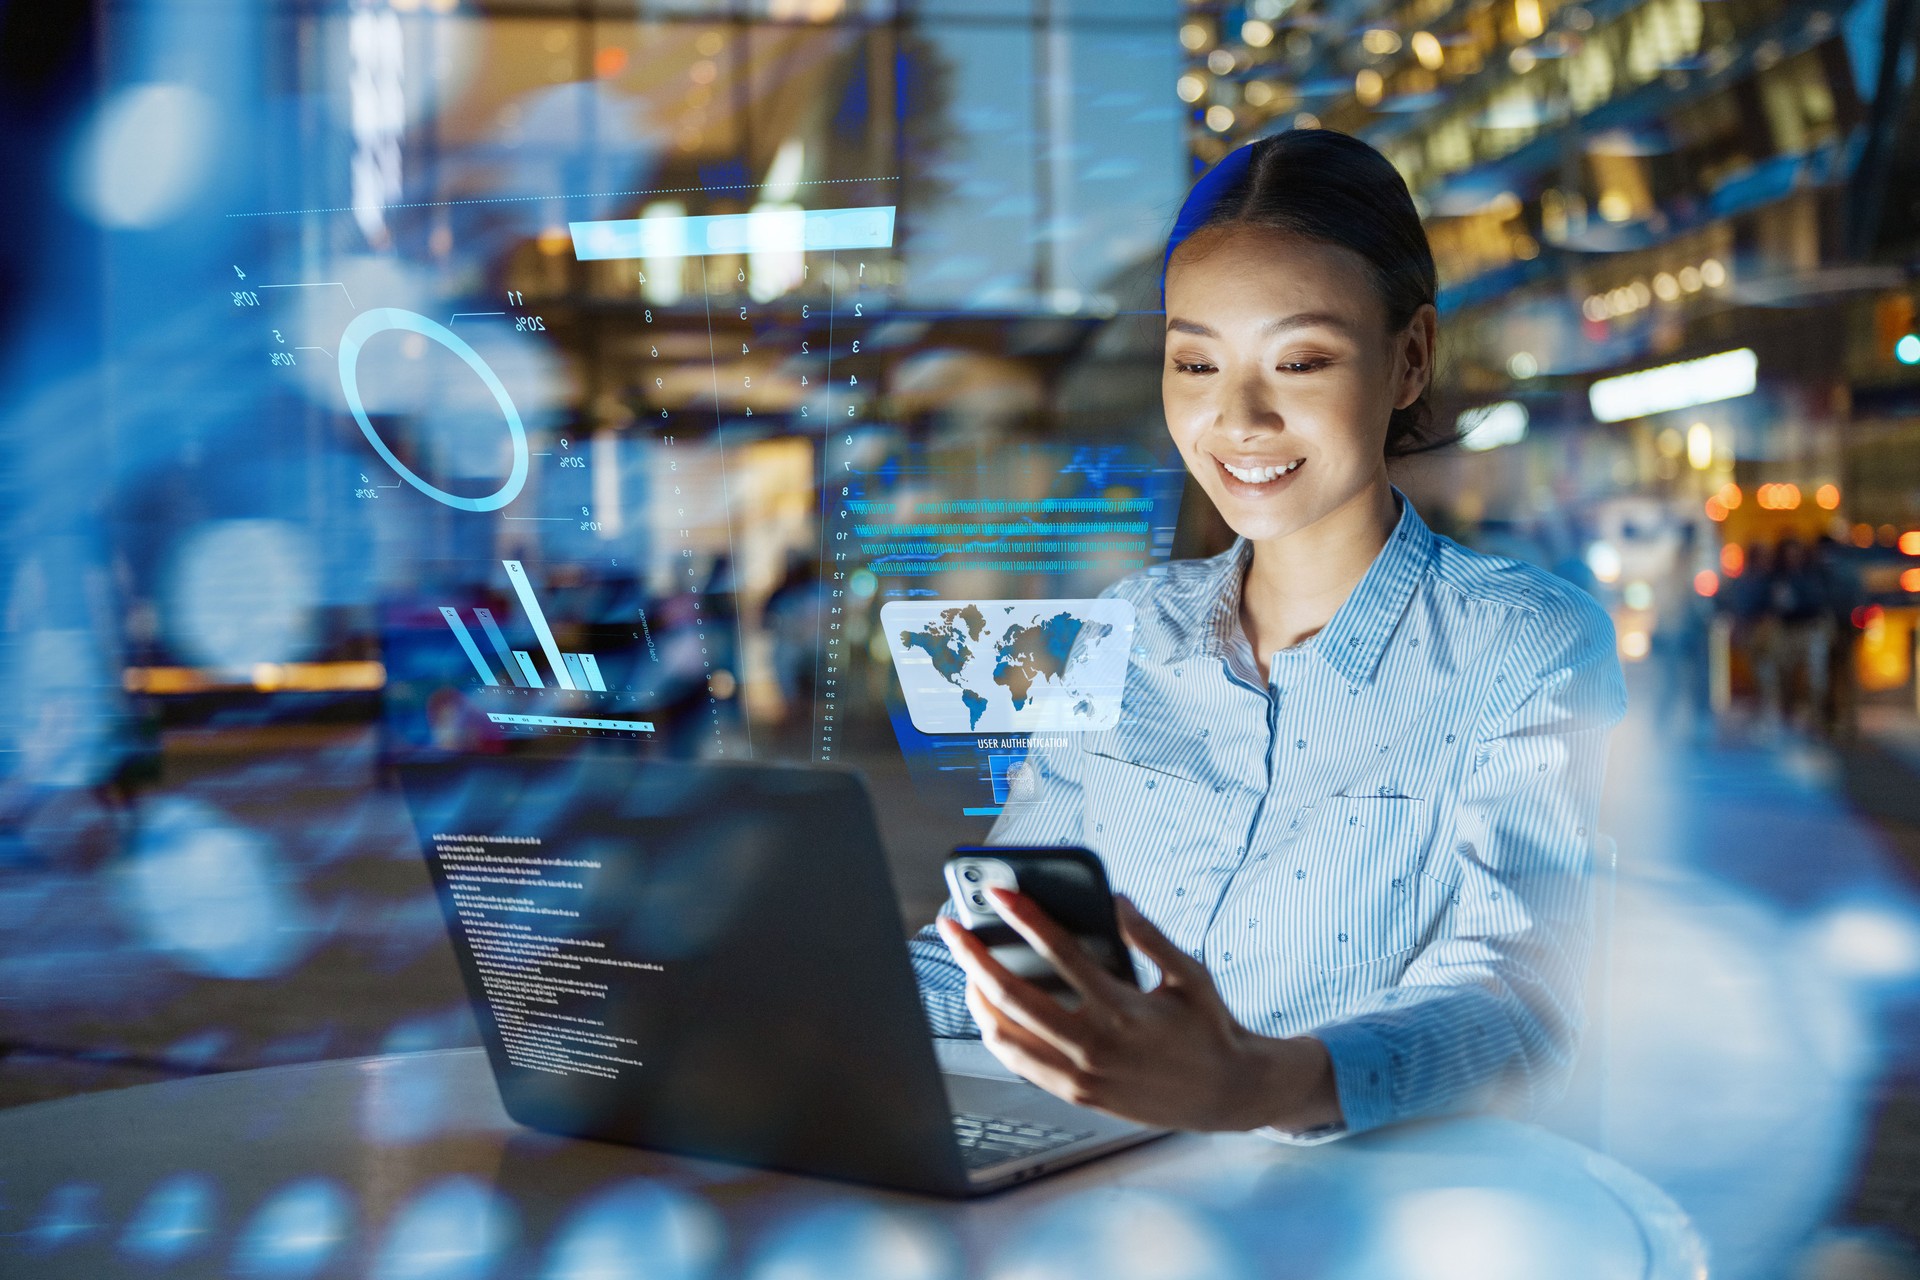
(1067, 883)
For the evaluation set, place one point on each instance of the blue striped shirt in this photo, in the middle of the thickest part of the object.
(1383, 841)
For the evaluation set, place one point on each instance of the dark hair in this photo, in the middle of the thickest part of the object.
(1334, 188)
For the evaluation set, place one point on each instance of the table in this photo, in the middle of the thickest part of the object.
(404, 1167)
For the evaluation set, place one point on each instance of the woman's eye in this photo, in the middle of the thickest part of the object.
(1302, 366)
(1180, 367)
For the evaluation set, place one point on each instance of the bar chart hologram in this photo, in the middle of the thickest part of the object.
(472, 650)
(499, 642)
(532, 673)
(517, 575)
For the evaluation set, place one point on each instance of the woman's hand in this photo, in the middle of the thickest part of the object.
(1172, 1057)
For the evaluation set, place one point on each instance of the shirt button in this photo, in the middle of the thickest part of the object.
(1300, 745)
(1151, 784)
(1226, 955)
(1299, 875)
(1343, 937)
(1449, 737)
(1386, 791)
(1252, 923)
(1396, 884)
(1351, 820)
(1203, 733)
(1218, 787)
(1179, 893)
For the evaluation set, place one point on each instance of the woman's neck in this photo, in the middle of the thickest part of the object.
(1297, 583)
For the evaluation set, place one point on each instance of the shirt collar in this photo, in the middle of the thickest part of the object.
(1356, 636)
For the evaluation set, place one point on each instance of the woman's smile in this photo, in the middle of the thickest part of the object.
(1245, 478)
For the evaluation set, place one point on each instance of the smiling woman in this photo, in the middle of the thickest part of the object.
(1351, 793)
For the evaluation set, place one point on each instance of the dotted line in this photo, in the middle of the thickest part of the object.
(587, 195)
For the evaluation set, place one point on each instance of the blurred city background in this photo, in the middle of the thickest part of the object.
(1677, 241)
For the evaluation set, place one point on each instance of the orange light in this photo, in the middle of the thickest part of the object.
(1733, 559)
(1716, 509)
(1730, 496)
(1789, 497)
(1764, 496)
(1828, 496)
(609, 61)
(1910, 542)
(1863, 535)
(1910, 580)
(1706, 583)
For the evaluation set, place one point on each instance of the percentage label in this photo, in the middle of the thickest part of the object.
(529, 324)
(245, 298)
(365, 493)
(284, 359)
(574, 463)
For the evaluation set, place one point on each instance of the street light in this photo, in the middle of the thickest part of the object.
(1907, 350)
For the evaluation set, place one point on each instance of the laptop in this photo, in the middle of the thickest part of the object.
(708, 959)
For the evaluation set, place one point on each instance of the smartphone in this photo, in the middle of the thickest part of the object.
(1067, 883)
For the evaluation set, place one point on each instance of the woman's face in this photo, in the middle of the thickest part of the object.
(1280, 375)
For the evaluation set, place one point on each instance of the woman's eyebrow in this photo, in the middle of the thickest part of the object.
(1299, 320)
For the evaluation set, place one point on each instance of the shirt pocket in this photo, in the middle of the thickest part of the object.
(1137, 799)
(1371, 869)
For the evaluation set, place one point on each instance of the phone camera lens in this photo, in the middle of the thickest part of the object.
(971, 874)
(979, 899)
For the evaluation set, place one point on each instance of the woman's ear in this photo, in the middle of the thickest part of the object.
(1416, 348)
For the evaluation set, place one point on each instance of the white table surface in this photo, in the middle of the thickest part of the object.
(405, 1166)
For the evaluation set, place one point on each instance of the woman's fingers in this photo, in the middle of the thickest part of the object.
(1025, 1003)
(1175, 965)
(1058, 948)
(1015, 1046)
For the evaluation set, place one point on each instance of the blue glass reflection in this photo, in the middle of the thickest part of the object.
(295, 1233)
(454, 1230)
(172, 1222)
(638, 1231)
(1123, 1236)
(70, 1213)
(857, 1243)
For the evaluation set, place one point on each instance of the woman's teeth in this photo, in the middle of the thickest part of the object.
(1260, 475)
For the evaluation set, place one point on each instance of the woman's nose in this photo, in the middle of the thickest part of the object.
(1249, 408)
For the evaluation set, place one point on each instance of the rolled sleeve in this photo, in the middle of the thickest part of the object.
(1489, 1011)
(1052, 816)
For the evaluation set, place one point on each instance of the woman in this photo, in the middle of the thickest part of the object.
(1356, 772)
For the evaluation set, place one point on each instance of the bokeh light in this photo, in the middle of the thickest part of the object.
(638, 1230)
(456, 1229)
(295, 1233)
(211, 894)
(856, 1243)
(176, 1219)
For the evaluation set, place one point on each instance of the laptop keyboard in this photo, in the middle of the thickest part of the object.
(988, 1140)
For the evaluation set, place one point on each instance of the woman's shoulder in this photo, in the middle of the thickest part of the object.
(1542, 614)
(1506, 582)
